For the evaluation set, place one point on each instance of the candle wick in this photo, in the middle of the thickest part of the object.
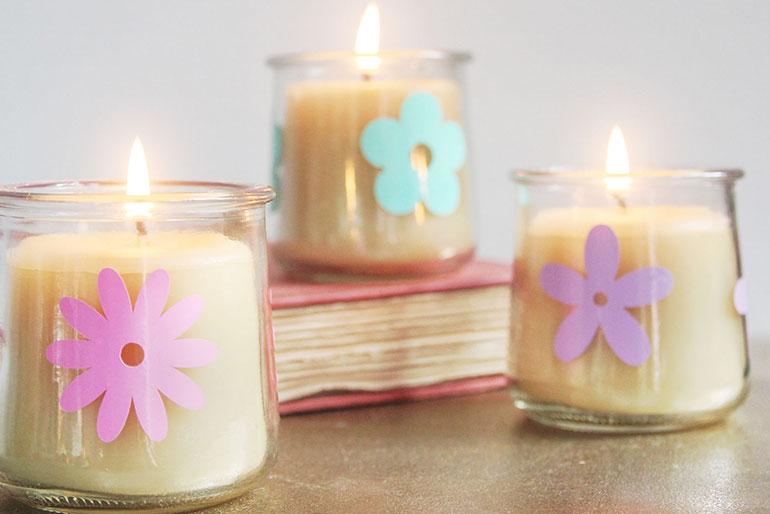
(366, 77)
(141, 228)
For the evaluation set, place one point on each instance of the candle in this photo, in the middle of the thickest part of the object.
(626, 310)
(177, 402)
(373, 169)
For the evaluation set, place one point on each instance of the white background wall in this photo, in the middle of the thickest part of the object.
(689, 82)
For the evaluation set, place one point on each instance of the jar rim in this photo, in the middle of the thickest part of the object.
(299, 58)
(99, 192)
(576, 175)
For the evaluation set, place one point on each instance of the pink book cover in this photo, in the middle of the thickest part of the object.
(287, 293)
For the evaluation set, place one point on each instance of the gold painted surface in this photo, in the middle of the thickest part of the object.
(477, 454)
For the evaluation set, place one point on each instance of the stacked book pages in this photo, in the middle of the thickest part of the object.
(346, 344)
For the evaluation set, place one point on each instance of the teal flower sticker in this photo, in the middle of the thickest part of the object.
(388, 143)
(277, 161)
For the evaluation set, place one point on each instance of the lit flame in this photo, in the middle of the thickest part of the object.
(368, 39)
(617, 163)
(138, 181)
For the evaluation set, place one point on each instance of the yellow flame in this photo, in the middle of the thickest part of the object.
(617, 164)
(368, 39)
(138, 181)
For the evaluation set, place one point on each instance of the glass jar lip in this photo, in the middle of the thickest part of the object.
(300, 58)
(576, 175)
(171, 192)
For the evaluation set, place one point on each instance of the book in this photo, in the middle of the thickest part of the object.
(347, 344)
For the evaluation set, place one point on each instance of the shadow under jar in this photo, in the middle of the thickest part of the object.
(136, 364)
(370, 163)
(628, 310)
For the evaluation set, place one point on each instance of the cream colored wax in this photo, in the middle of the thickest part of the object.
(216, 446)
(329, 215)
(698, 360)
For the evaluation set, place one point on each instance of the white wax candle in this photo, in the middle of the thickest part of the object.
(218, 445)
(698, 358)
(329, 214)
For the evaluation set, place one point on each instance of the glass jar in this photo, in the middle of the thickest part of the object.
(624, 300)
(370, 164)
(136, 360)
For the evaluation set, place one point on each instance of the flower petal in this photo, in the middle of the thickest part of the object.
(152, 414)
(180, 389)
(443, 194)
(602, 256)
(83, 318)
(447, 145)
(113, 414)
(71, 354)
(397, 191)
(642, 287)
(625, 336)
(189, 353)
(421, 113)
(113, 295)
(153, 296)
(82, 391)
(277, 145)
(179, 318)
(382, 141)
(576, 333)
(563, 284)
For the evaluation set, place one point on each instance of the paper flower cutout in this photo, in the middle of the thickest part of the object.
(601, 301)
(741, 297)
(131, 355)
(276, 165)
(388, 143)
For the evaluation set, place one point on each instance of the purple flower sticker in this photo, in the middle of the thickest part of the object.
(601, 301)
(131, 355)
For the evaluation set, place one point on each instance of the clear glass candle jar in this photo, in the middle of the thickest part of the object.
(136, 360)
(627, 300)
(370, 163)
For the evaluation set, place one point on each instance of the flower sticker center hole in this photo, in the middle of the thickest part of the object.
(132, 354)
(420, 157)
(600, 299)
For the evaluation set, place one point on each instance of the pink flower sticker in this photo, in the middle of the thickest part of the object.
(131, 354)
(601, 301)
